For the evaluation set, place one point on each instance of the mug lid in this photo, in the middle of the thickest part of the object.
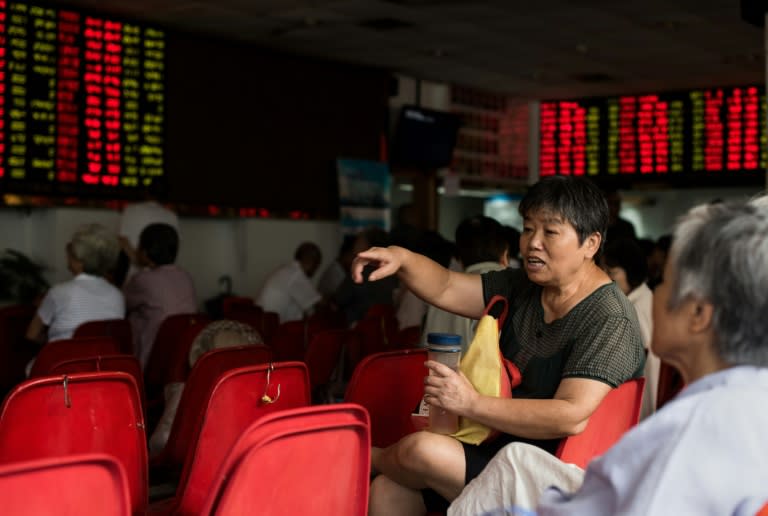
(444, 338)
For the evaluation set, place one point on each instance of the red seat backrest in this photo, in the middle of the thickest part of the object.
(125, 363)
(197, 391)
(289, 341)
(67, 349)
(670, 384)
(120, 329)
(56, 416)
(407, 338)
(280, 465)
(389, 385)
(269, 323)
(386, 310)
(378, 335)
(323, 354)
(71, 485)
(618, 412)
(232, 304)
(235, 403)
(172, 337)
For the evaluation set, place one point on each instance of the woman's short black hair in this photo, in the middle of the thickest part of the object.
(579, 201)
(627, 254)
(160, 242)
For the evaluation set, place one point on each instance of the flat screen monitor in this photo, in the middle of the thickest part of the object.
(424, 138)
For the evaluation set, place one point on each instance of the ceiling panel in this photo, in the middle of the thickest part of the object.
(531, 49)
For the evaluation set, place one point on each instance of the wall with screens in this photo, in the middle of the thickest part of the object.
(96, 109)
(81, 103)
(687, 138)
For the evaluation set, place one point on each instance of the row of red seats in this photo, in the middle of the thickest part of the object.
(389, 385)
(56, 416)
(235, 458)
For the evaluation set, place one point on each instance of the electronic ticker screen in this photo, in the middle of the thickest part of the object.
(690, 137)
(81, 102)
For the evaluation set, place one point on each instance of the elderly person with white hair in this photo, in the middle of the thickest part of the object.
(88, 296)
(705, 451)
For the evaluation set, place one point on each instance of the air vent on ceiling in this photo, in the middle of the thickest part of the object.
(593, 78)
(385, 24)
(416, 3)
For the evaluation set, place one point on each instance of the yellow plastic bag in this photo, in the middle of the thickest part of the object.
(486, 368)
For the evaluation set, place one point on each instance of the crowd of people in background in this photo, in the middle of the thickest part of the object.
(593, 306)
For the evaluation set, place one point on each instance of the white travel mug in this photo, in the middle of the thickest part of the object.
(446, 349)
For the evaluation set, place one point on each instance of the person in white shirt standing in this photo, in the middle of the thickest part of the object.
(288, 290)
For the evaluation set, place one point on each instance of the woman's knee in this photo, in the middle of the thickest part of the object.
(422, 452)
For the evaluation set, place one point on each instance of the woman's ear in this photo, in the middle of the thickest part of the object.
(592, 244)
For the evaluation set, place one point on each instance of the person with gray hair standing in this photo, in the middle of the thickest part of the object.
(704, 451)
(88, 296)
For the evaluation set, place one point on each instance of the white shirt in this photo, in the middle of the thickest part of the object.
(642, 300)
(83, 298)
(704, 452)
(289, 292)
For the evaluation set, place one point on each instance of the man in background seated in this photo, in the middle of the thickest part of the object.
(88, 296)
(288, 290)
(482, 247)
(704, 452)
(161, 289)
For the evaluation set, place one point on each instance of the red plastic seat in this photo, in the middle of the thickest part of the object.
(389, 385)
(386, 310)
(171, 346)
(120, 329)
(618, 412)
(408, 338)
(670, 384)
(60, 350)
(15, 351)
(280, 465)
(197, 391)
(289, 341)
(269, 323)
(57, 416)
(377, 334)
(323, 354)
(233, 304)
(72, 485)
(240, 397)
(125, 363)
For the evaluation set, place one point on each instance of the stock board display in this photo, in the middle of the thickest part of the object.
(707, 133)
(81, 102)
